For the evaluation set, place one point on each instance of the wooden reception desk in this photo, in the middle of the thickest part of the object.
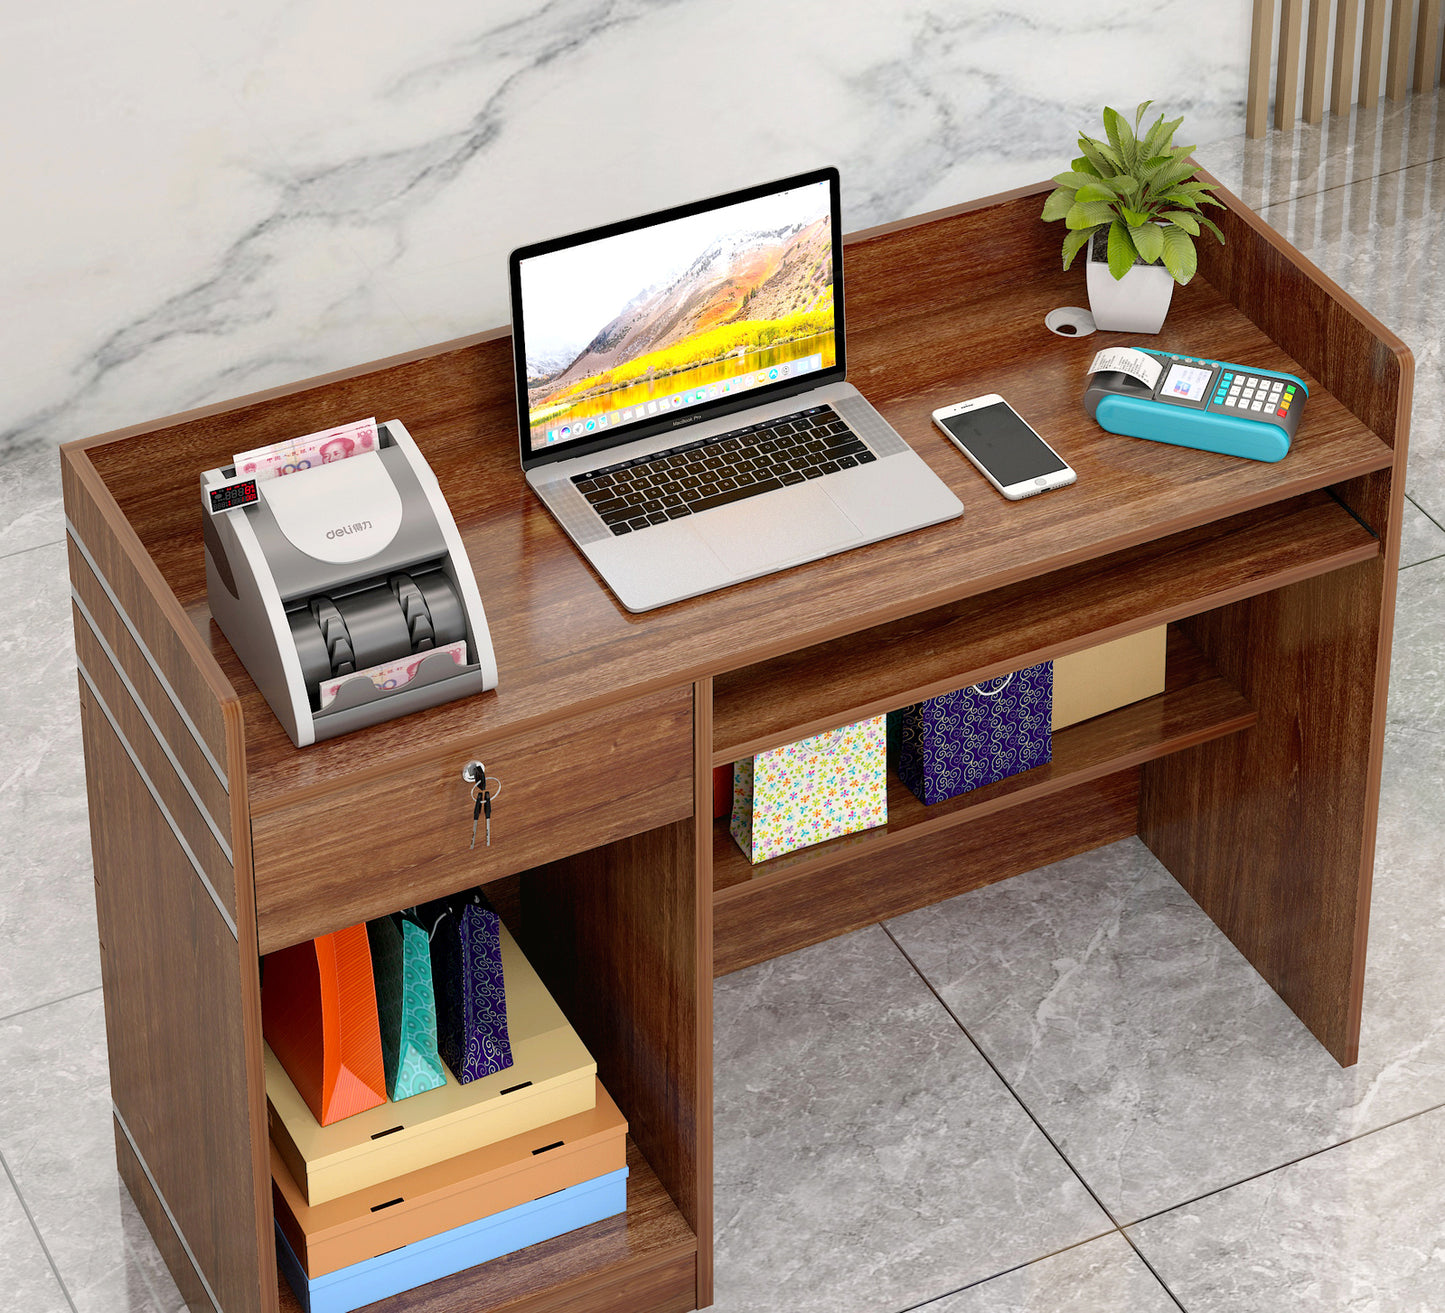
(1254, 776)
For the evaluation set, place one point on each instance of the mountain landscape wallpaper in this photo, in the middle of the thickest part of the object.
(698, 303)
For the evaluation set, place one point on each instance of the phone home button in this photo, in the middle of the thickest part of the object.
(1041, 483)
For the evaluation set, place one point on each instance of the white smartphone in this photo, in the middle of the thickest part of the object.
(1005, 450)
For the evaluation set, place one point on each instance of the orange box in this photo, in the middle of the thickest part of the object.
(448, 1194)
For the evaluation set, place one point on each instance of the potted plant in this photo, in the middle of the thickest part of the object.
(1135, 202)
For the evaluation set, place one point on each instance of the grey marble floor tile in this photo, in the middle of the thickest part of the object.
(30, 505)
(1151, 1052)
(1425, 462)
(1310, 158)
(1102, 1276)
(1421, 539)
(26, 1277)
(55, 1133)
(1417, 661)
(47, 901)
(867, 1158)
(1355, 1228)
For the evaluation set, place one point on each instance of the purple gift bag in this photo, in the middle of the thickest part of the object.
(471, 995)
(976, 735)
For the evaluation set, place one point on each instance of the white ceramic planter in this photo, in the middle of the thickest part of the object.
(1135, 303)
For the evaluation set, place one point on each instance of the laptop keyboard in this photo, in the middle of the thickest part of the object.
(636, 494)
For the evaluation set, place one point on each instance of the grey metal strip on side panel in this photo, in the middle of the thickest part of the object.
(130, 688)
(175, 1226)
(156, 798)
(146, 653)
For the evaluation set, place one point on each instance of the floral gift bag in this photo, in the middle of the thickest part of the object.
(816, 789)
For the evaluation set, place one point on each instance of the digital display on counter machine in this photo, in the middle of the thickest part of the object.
(231, 495)
(1187, 383)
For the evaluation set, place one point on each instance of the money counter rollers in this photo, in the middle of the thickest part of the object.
(345, 588)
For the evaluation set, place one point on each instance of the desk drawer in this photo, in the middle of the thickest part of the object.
(370, 848)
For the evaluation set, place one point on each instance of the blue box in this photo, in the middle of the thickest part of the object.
(452, 1251)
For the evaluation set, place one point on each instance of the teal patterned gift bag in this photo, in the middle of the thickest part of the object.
(406, 1006)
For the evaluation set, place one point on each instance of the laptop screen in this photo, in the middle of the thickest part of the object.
(661, 321)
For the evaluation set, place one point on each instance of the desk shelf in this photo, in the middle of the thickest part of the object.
(649, 1251)
(839, 682)
(1197, 705)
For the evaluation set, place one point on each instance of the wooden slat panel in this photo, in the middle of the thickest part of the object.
(322, 864)
(1427, 47)
(1316, 60)
(1286, 89)
(615, 934)
(162, 710)
(1372, 46)
(143, 597)
(805, 692)
(174, 1024)
(178, 802)
(1261, 46)
(1342, 81)
(783, 915)
(640, 1261)
(1271, 830)
(1397, 76)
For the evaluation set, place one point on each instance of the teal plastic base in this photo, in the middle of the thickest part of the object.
(1134, 417)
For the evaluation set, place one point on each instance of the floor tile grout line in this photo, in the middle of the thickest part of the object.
(34, 547)
(1426, 561)
(1293, 1162)
(39, 1239)
(1424, 512)
(35, 1007)
(1342, 186)
(1029, 1113)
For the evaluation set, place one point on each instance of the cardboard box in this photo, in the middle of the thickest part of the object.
(552, 1076)
(327, 1237)
(478, 1242)
(1112, 675)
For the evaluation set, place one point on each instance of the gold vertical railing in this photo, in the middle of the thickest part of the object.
(1370, 49)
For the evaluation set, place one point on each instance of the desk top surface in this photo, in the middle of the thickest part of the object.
(937, 312)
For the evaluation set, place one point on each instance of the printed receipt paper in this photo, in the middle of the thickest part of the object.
(1128, 360)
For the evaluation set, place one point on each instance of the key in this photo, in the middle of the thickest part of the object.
(487, 812)
(476, 815)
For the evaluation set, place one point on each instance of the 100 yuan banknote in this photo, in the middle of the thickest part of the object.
(296, 454)
(391, 674)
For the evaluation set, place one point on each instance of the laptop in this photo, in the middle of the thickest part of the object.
(682, 398)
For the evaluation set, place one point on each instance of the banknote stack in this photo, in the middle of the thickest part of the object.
(297, 454)
(391, 674)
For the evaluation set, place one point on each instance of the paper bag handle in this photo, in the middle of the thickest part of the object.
(1007, 680)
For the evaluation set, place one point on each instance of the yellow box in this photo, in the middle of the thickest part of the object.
(552, 1076)
(1100, 679)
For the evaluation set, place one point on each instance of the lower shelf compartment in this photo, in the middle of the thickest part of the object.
(645, 1259)
(1197, 705)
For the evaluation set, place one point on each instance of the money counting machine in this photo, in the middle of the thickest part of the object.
(339, 569)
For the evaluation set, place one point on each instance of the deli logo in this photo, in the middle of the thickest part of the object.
(359, 527)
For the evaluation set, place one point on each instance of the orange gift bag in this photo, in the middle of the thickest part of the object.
(318, 1013)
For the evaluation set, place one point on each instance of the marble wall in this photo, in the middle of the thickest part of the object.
(203, 200)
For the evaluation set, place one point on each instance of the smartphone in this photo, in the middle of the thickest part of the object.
(1006, 451)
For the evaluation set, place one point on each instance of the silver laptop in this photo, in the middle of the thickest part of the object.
(682, 396)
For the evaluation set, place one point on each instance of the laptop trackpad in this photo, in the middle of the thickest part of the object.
(762, 532)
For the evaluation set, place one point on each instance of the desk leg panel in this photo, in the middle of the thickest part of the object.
(1272, 831)
(786, 912)
(615, 934)
(176, 1031)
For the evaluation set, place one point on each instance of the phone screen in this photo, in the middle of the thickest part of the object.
(1003, 444)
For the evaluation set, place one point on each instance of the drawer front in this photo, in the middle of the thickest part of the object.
(371, 848)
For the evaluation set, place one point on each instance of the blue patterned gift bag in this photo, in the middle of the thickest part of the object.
(471, 995)
(976, 735)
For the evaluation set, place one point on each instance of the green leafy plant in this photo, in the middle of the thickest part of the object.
(1142, 189)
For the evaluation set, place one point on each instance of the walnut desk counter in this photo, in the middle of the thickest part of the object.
(1254, 776)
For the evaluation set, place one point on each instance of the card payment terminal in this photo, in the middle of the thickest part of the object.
(1193, 402)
